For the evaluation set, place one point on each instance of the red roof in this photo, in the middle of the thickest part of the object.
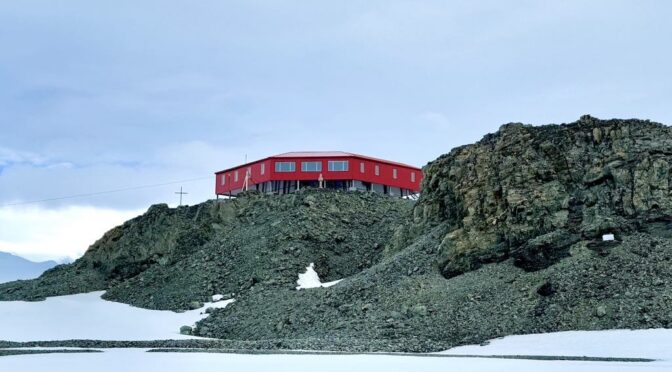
(313, 154)
(320, 154)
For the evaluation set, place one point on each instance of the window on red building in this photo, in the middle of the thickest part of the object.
(338, 166)
(285, 166)
(311, 166)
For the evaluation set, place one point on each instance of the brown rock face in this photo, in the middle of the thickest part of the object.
(530, 192)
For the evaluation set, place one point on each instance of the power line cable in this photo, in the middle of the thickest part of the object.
(131, 188)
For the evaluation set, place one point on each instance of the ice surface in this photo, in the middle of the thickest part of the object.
(87, 316)
(645, 343)
(138, 360)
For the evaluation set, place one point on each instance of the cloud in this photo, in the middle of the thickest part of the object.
(9, 156)
(436, 120)
(108, 185)
(41, 234)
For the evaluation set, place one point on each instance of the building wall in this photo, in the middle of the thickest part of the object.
(384, 176)
(234, 183)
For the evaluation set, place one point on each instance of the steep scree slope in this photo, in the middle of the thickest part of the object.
(177, 258)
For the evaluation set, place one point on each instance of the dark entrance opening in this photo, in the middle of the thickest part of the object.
(311, 184)
(337, 185)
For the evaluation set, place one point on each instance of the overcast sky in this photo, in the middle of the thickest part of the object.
(102, 95)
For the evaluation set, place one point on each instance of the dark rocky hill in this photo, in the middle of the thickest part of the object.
(531, 193)
(507, 238)
(177, 258)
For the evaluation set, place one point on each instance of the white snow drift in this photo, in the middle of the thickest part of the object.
(643, 343)
(138, 360)
(87, 316)
(310, 279)
(647, 343)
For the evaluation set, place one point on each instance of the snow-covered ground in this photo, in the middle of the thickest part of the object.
(646, 343)
(87, 316)
(138, 360)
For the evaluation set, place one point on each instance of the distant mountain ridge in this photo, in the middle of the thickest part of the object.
(16, 268)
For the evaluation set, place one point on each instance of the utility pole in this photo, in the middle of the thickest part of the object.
(181, 193)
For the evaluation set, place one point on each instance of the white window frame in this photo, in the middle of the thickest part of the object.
(339, 165)
(263, 168)
(311, 166)
(362, 168)
(377, 170)
(223, 182)
(280, 166)
(395, 173)
(235, 177)
(412, 176)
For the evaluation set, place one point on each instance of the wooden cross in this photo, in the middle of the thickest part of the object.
(181, 193)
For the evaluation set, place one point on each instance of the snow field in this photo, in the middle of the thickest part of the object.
(121, 359)
(87, 316)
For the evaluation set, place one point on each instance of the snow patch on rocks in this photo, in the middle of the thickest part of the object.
(310, 279)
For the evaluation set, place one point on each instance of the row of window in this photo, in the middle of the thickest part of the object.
(315, 166)
(312, 166)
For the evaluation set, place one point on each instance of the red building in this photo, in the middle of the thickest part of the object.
(288, 172)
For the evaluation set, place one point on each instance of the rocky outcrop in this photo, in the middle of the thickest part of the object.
(530, 193)
(506, 239)
(172, 258)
